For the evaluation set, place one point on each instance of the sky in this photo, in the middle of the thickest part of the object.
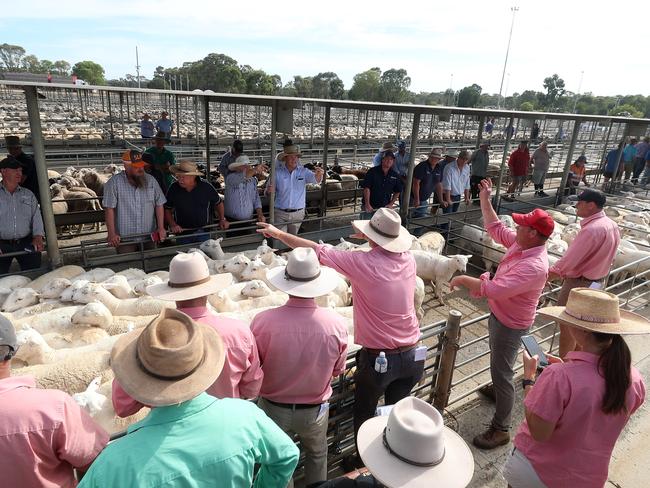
(440, 44)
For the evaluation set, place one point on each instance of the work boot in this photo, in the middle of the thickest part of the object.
(508, 198)
(491, 439)
(543, 194)
(488, 391)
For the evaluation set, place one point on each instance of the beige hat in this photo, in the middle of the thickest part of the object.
(412, 448)
(241, 160)
(185, 168)
(385, 229)
(388, 146)
(189, 278)
(303, 276)
(292, 149)
(171, 360)
(597, 311)
(437, 152)
(452, 153)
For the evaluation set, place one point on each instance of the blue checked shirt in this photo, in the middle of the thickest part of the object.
(290, 187)
(241, 197)
(20, 215)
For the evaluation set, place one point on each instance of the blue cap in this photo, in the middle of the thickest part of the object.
(401, 144)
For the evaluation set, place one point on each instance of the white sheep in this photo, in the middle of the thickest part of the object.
(98, 315)
(119, 287)
(255, 288)
(265, 252)
(432, 241)
(55, 288)
(90, 399)
(212, 247)
(74, 336)
(493, 252)
(68, 271)
(140, 288)
(20, 298)
(67, 295)
(93, 292)
(14, 281)
(558, 247)
(224, 303)
(418, 298)
(50, 321)
(254, 270)
(570, 232)
(95, 275)
(439, 269)
(344, 245)
(234, 266)
(106, 416)
(276, 261)
(132, 274)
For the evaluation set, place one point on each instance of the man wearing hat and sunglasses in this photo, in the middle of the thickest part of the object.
(189, 438)
(30, 178)
(308, 344)
(386, 146)
(44, 435)
(381, 325)
(229, 157)
(189, 285)
(21, 224)
(512, 297)
(133, 204)
(163, 159)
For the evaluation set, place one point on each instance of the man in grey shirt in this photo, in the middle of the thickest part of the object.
(242, 198)
(21, 224)
(479, 163)
(132, 199)
(540, 161)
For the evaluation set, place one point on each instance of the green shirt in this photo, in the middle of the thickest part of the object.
(160, 159)
(198, 443)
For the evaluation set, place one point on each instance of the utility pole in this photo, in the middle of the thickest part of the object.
(505, 94)
(514, 10)
(137, 65)
(575, 102)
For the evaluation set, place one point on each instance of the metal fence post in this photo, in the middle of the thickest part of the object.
(447, 361)
(504, 158)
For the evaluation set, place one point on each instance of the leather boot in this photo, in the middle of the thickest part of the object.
(491, 439)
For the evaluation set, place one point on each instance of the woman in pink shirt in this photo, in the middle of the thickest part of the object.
(577, 408)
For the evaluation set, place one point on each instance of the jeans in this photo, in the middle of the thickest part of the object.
(193, 236)
(444, 227)
(504, 346)
(403, 374)
(639, 165)
(646, 174)
(27, 261)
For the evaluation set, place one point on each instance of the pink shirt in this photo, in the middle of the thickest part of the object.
(241, 376)
(570, 395)
(383, 290)
(514, 291)
(301, 347)
(44, 434)
(592, 251)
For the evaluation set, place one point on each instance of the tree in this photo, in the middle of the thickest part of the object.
(393, 85)
(328, 85)
(45, 66)
(30, 64)
(366, 86)
(89, 71)
(11, 57)
(61, 67)
(469, 96)
(526, 107)
(260, 83)
(627, 110)
(554, 86)
(303, 86)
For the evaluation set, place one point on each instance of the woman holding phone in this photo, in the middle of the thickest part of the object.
(576, 409)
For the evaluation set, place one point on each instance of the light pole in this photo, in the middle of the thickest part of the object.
(505, 94)
(575, 102)
(137, 65)
(514, 10)
(451, 90)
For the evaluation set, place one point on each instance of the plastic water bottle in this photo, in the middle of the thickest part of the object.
(381, 363)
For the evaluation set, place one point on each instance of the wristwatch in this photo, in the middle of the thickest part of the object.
(525, 383)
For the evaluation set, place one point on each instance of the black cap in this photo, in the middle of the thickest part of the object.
(238, 145)
(7, 334)
(10, 163)
(592, 195)
(388, 153)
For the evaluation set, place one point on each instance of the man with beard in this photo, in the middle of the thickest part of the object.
(133, 205)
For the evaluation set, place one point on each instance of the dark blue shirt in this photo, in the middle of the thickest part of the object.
(429, 177)
(612, 156)
(192, 209)
(381, 186)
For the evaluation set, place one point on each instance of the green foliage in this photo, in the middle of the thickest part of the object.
(11, 57)
(366, 86)
(527, 107)
(89, 71)
(328, 85)
(555, 91)
(627, 110)
(393, 86)
(469, 96)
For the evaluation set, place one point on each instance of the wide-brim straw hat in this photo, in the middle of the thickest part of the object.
(185, 168)
(171, 360)
(597, 311)
(242, 160)
(303, 276)
(414, 432)
(289, 150)
(161, 135)
(189, 278)
(388, 146)
(452, 153)
(385, 229)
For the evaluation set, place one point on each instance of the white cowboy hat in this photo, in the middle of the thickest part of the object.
(242, 160)
(303, 276)
(186, 168)
(597, 311)
(288, 150)
(171, 360)
(385, 229)
(452, 153)
(411, 448)
(189, 278)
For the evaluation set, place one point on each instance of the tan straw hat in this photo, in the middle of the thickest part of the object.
(303, 276)
(242, 160)
(385, 229)
(170, 361)
(388, 146)
(185, 168)
(411, 448)
(597, 311)
(189, 278)
(288, 150)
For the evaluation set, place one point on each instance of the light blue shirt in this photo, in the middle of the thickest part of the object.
(241, 197)
(165, 125)
(290, 190)
(455, 180)
(401, 163)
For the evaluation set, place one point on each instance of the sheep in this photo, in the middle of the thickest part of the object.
(344, 245)
(68, 272)
(493, 252)
(131, 306)
(254, 270)
(75, 336)
(20, 298)
(224, 303)
(50, 321)
(98, 315)
(55, 288)
(627, 256)
(234, 266)
(570, 232)
(67, 295)
(106, 417)
(132, 274)
(76, 198)
(415, 244)
(212, 247)
(439, 269)
(34, 310)
(559, 217)
(140, 288)
(96, 275)
(14, 281)
(276, 261)
(119, 287)
(90, 399)
(203, 255)
(94, 180)
(558, 247)
(432, 241)
(255, 288)
(418, 298)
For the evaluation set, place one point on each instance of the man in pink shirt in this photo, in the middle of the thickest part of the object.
(189, 285)
(302, 346)
(589, 256)
(512, 297)
(44, 434)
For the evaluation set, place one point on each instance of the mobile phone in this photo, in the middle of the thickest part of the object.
(533, 349)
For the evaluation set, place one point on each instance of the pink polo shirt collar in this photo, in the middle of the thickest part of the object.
(15, 382)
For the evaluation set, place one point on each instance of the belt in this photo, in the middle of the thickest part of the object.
(14, 241)
(293, 406)
(290, 210)
(391, 351)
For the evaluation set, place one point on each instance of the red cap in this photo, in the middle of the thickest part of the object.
(538, 219)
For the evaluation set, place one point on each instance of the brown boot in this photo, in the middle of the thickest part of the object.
(492, 438)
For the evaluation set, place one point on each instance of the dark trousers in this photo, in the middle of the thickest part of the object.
(396, 383)
(27, 261)
(639, 166)
(444, 228)
(474, 181)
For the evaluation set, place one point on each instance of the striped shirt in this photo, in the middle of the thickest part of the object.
(134, 207)
(290, 190)
(20, 214)
(241, 196)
